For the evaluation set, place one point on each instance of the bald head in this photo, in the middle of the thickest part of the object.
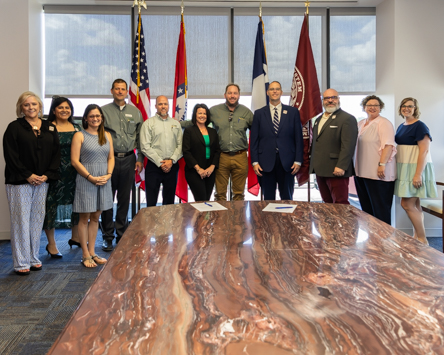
(162, 106)
(331, 100)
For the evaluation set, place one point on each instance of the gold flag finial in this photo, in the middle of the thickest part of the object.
(260, 9)
(140, 4)
(307, 5)
(182, 6)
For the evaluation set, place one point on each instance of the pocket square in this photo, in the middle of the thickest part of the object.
(333, 126)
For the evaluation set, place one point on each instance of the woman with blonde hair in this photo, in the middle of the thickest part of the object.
(32, 154)
(92, 155)
(415, 173)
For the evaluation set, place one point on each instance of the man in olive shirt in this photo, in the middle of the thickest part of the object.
(123, 122)
(231, 121)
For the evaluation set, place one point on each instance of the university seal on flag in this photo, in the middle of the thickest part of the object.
(297, 90)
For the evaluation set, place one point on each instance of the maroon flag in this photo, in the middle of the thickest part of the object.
(305, 95)
(180, 105)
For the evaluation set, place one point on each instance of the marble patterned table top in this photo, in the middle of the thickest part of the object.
(326, 279)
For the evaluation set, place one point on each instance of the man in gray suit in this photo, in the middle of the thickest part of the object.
(334, 140)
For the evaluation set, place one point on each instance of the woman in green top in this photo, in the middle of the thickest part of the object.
(201, 152)
(61, 192)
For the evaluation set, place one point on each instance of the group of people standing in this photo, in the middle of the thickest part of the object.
(53, 164)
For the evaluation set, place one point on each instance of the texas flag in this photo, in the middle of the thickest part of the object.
(259, 96)
(180, 104)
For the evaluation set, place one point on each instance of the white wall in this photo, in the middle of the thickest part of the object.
(409, 61)
(20, 70)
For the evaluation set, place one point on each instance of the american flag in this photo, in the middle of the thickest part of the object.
(140, 85)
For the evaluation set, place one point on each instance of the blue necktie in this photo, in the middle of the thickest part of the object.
(276, 120)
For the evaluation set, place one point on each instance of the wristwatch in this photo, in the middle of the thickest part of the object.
(381, 164)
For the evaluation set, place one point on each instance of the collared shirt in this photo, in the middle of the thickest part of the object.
(124, 126)
(161, 139)
(232, 135)
(279, 109)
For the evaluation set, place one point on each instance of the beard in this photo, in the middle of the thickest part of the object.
(331, 109)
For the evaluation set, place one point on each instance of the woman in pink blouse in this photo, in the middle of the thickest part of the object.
(375, 166)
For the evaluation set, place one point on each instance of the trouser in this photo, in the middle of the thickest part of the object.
(201, 188)
(284, 180)
(154, 176)
(27, 209)
(122, 182)
(376, 197)
(333, 189)
(235, 166)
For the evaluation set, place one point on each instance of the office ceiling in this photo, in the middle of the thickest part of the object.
(219, 3)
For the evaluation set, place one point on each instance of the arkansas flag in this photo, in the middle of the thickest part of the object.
(180, 105)
(259, 96)
(140, 86)
(305, 95)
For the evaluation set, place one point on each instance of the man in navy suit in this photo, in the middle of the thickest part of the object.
(276, 145)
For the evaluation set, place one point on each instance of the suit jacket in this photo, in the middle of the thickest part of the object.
(335, 145)
(193, 147)
(288, 140)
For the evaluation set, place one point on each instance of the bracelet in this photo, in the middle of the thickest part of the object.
(381, 164)
(88, 176)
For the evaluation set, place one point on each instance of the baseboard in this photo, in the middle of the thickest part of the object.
(430, 232)
(5, 235)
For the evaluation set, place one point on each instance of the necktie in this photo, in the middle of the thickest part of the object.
(275, 120)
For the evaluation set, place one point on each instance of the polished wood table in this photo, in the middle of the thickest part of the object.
(325, 279)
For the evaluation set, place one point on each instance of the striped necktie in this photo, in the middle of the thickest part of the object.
(275, 120)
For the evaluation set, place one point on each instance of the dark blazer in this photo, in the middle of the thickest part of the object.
(193, 148)
(263, 140)
(335, 145)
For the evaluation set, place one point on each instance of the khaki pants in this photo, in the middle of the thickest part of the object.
(235, 166)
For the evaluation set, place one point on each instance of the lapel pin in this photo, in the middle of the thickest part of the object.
(284, 112)
(333, 117)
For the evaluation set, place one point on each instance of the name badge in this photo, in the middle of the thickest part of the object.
(128, 115)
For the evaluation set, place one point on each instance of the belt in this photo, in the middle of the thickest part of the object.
(123, 155)
(235, 153)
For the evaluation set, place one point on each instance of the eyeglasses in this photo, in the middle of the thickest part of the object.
(230, 117)
(372, 105)
(409, 106)
(274, 89)
(94, 116)
(326, 98)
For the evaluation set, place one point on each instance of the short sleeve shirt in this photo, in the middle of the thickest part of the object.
(411, 134)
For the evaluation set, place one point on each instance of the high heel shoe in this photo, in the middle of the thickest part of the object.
(55, 256)
(73, 242)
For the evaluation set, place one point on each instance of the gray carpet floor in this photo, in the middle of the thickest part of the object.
(34, 309)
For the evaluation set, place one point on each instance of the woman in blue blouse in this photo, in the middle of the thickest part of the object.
(415, 174)
(201, 152)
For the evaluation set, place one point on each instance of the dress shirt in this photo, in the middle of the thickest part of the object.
(161, 139)
(279, 109)
(124, 124)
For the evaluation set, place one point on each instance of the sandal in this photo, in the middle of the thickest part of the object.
(22, 272)
(88, 262)
(37, 267)
(98, 260)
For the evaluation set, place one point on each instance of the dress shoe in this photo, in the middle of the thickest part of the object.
(118, 240)
(55, 256)
(107, 245)
(73, 242)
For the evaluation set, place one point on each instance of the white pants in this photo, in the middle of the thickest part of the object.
(27, 209)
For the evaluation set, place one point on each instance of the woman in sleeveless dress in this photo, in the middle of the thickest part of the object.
(416, 176)
(92, 155)
(61, 192)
